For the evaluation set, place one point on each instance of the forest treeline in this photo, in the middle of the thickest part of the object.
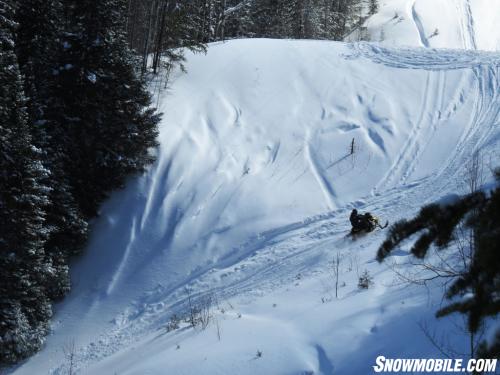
(76, 120)
(162, 26)
(74, 123)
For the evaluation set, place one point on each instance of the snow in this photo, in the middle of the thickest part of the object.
(250, 197)
(92, 77)
(467, 24)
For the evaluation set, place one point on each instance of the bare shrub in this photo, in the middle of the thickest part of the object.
(69, 350)
(173, 323)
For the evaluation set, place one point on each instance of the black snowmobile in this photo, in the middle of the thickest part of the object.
(364, 223)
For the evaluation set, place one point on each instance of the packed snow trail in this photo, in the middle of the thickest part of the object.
(252, 191)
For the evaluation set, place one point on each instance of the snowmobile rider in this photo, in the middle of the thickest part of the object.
(354, 218)
(365, 222)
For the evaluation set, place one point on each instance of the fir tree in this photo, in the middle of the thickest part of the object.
(84, 127)
(106, 107)
(24, 308)
(476, 292)
(373, 6)
(38, 49)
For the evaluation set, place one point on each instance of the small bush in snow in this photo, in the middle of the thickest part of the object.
(173, 323)
(365, 280)
(200, 311)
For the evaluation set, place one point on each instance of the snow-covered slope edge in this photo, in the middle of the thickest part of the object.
(467, 24)
(249, 200)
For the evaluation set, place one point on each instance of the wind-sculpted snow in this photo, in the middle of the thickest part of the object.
(249, 201)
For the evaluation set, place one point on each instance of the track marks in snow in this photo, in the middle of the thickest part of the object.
(123, 262)
(484, 121)
(411, 145)
(471, 35)
(268, 261)
(423, 58)
(470, 25)
(419, 26)
(466, 23)
(318, 173)
(483, 67)
(427, 128)
(159, 180)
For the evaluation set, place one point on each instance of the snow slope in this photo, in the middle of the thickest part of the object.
(467, 24)
(248, 202)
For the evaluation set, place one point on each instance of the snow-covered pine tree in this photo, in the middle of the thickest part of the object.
(475, 292)
(38, 48)
(238, 21)
(24, 307)
(327, 20)
(299, 11)
(300, 19)
(263, 17)
(182, 26)
(110, 125)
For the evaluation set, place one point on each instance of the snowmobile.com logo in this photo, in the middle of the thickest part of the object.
(399, 365)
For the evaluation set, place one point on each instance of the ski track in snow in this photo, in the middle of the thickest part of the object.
(466, 24)
(424, 58)
(275, 258)
(411, 146)
(325, 186)
(419, 26)
(470, 26)
(483, 84)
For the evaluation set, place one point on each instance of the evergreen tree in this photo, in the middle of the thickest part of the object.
(263, 17)
(106, 107)
(38, 48)
(238, 21)
(84, 126)
(373, 6)
(24, 307)
(476, 292)
(299, 19)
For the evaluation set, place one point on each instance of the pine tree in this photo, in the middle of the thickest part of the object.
(373, 7)
(264, 17)
(106, 107)
(24, 307)
(238, 20)
(476, 292)
(83, 128)
(38, 48)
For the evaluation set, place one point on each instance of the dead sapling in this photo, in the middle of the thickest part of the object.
(69, 350)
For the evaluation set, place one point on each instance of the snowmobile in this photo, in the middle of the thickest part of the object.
(367, 223)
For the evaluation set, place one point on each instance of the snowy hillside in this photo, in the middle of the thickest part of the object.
(249, 201)
(468, 24)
